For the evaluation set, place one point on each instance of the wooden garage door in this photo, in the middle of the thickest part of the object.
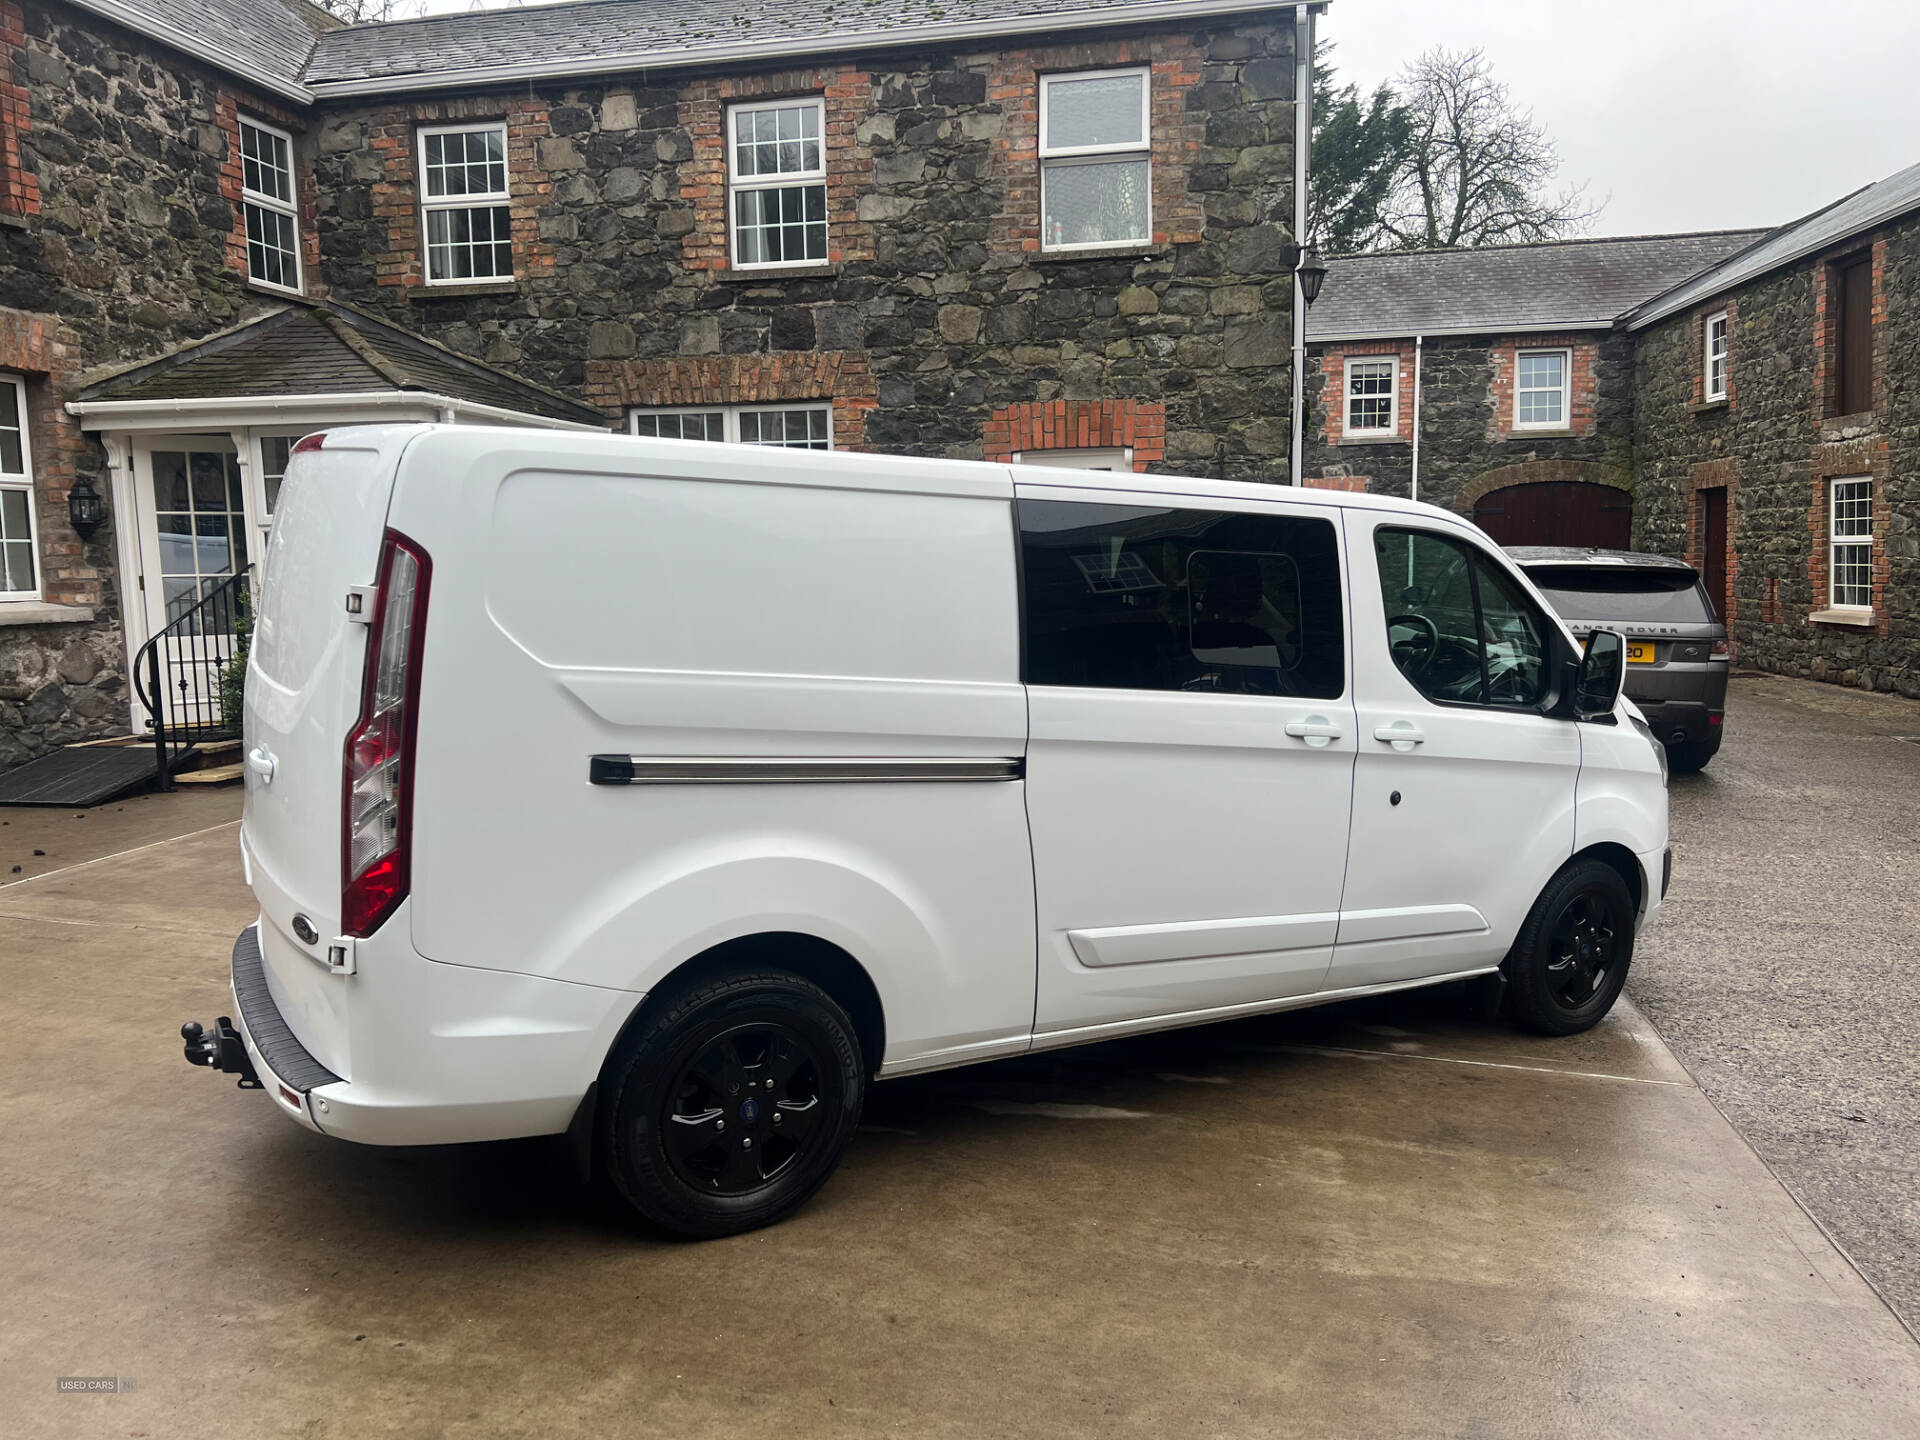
(1557, 512)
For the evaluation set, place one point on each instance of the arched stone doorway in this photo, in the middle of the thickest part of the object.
(1552, 502)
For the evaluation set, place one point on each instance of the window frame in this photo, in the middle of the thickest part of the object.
(786, 180)
(1565, 422)
(24, 482)
(1708, 356)
(1856, 541)
(730, 420)
(1079, 457)
(272, 203)
(502, 199)
(1046, 156)
(1392, 428)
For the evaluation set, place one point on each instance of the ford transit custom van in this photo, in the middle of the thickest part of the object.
(665, 795)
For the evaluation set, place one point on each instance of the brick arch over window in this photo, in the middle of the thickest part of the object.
(1538, 472)
(1079, 425)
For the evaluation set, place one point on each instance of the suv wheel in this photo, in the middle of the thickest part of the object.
(731, 1103)
(1688, 756)
(1567, 966)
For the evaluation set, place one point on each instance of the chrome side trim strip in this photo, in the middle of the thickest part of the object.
(769, 770)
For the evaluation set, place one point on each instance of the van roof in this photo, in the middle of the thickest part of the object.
(867, 470)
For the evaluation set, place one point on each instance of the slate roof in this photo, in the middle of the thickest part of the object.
(274, 37)
(1560, 284)
(635, 33)
(1862, 210)
(328, 350)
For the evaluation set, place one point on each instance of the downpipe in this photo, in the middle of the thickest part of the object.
(1303, 18)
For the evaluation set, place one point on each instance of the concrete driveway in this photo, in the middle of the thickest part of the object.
(1381, 1220)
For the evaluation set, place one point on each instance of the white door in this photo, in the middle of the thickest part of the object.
(1190, 753)
(1463, 799)
(194, 533)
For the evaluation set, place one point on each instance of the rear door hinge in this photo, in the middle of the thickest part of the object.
(360, 600)
(340, 954)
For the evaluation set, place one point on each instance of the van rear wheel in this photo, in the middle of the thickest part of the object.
(1570, 960)
(731, 1103)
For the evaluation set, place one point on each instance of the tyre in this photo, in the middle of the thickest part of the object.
(730, 1104)
(1691, 755)
(1567, 966)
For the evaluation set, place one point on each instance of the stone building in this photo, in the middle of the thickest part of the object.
(973, 229)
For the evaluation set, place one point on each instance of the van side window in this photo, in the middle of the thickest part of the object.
(1128, 597)
(1457, 625)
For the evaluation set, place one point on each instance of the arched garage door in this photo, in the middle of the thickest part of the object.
(1557, 512)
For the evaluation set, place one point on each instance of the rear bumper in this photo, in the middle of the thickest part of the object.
(1689, 722)
(443, 1054)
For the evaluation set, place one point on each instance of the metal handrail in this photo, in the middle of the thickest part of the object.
(193, 652)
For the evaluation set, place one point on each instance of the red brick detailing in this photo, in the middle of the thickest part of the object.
(1352, 484)
(19, 188)
(226, 117)
(703, 179)
(396, 198)
(1079, 425)
(1582, 391)
(1852, 459)
(43, 350)
(1333, 392)
(1177, 138)
(839, 376)
(1826, 333)
(1715, 475)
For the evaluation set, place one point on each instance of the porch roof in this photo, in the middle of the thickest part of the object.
(306, 350)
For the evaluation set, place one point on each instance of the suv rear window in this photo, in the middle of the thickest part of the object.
(1581, 592)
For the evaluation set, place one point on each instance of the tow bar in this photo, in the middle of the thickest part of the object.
(222, 1050)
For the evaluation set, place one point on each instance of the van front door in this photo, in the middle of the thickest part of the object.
(1189, 766)
(1463, 799)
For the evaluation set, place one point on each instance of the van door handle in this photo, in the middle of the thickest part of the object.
(1402, 735)
(260, 762)
(1316, 730)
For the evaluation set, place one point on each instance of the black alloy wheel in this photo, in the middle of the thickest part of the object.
(729, 1102)
(1570, 960)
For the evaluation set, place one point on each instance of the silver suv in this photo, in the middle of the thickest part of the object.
(1677, 654)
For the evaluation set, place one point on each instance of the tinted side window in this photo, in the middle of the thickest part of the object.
(1129, 597)
(1457, 625)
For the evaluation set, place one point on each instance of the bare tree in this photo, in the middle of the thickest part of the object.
(1476, 168)
(362, 12)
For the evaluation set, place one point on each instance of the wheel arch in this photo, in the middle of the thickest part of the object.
(1624, 861)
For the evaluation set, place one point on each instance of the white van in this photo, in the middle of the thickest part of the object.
(664, 794)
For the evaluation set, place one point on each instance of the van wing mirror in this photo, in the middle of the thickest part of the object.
(1602, 671)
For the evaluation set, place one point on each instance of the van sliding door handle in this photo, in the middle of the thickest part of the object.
(1316, 730)
(1402, 735)
(260, 762)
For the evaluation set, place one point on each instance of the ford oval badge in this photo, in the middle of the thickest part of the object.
(303, 928)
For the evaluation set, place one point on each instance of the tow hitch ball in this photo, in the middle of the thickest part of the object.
(223, 1049)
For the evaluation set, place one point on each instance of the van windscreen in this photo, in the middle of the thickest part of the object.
(1581, 592)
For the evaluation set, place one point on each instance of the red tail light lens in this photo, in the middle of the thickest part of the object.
(377, 809)
(1722, 650)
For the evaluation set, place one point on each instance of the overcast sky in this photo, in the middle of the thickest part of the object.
(1680, 114)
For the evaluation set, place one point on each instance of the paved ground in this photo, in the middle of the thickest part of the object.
(1376, 1221)
(1785, 971)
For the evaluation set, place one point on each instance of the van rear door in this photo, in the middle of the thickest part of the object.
(302, 697)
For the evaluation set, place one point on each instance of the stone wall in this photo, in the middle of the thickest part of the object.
(1467, 441)
(117, 222)
(1775, 449)
(936, 300)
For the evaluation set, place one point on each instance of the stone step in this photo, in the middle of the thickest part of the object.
(213, 775)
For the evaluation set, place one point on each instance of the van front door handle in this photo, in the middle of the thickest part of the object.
(1316, 730)
(260, 762)
(1402, 735)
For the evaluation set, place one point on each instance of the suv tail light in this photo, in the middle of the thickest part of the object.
(1721, 650)
(377, 807)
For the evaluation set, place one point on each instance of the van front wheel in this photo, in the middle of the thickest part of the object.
(1567, 966)
(730, 1105)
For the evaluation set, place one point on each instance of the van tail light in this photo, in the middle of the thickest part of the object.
(1722, 650)
(377, 818)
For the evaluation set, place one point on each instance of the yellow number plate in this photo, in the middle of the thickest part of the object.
(1641, 654)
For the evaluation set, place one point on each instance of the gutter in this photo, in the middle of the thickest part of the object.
(1337, 337)
(103, 412)
(189, 42)
(1303, 18)
(1175, 12)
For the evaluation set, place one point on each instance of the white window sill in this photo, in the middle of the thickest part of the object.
(40, 612)
(1846, 615)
